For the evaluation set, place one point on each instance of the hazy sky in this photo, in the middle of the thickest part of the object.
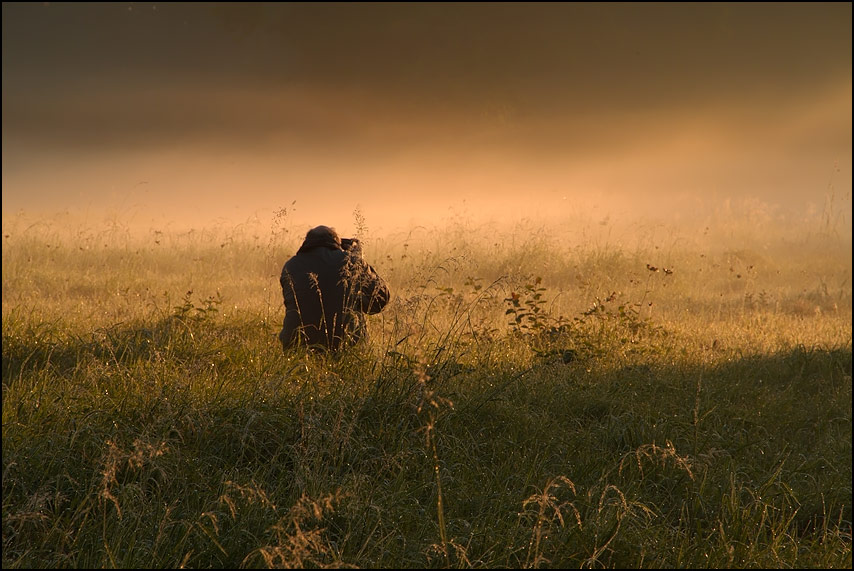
(196, 112)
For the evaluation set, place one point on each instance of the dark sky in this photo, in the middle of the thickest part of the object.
(224, 109)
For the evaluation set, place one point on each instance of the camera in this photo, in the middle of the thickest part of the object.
(351, 245)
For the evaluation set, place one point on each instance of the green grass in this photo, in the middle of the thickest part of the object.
(629, 418)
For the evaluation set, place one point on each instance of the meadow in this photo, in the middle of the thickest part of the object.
(534, 396)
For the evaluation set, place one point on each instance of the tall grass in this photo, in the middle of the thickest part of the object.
(528, 399)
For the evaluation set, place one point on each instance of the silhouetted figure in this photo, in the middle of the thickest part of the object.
(327, 287)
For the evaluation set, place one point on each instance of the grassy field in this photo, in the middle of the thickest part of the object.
(531, 397)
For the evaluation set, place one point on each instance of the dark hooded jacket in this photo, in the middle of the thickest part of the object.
(326, 292)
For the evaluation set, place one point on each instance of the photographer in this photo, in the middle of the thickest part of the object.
(327, 289)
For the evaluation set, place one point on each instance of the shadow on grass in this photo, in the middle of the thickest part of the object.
(747, 443)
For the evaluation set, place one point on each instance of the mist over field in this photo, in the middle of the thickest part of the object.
(192, 115)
